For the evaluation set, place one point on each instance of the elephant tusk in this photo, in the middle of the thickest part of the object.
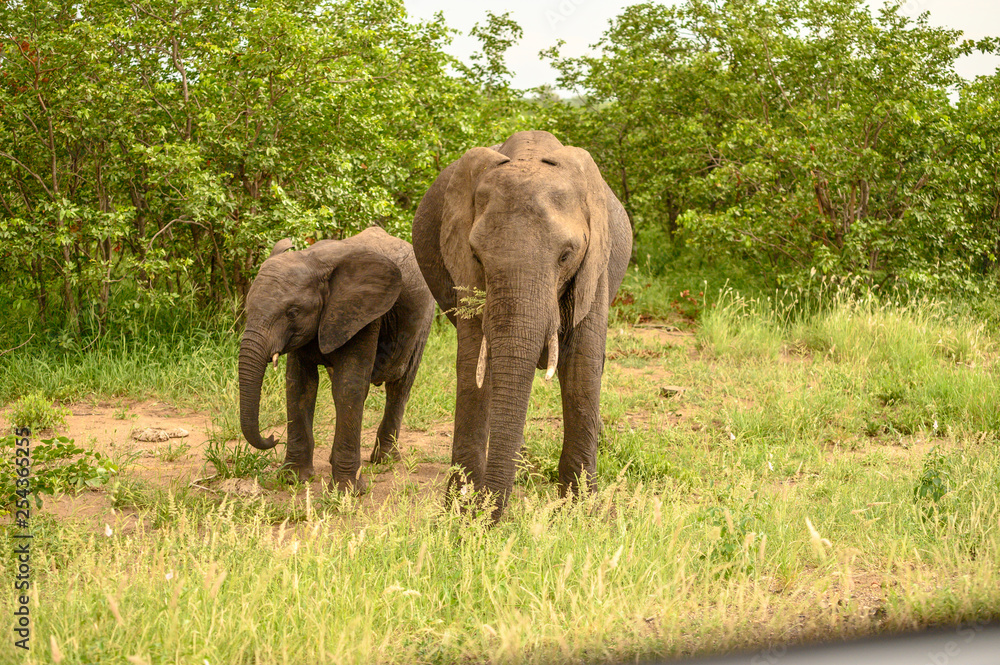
(553, 355)
(274, 359)
(481, 367)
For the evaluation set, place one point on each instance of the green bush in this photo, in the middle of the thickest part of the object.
(734, 544)
(56, 465)
(38, 413)
(935, 478)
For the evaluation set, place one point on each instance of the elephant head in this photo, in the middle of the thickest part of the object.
(326, 293)
(528, 223)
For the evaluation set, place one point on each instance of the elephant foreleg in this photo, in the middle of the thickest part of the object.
(472, 409)
(580, 369)
(301, 381)
(350, 377)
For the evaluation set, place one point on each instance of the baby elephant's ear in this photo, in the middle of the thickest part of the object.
(363, 286)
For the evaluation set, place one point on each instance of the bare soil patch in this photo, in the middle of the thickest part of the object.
(652, 374)
(107, 428)
(176, 463)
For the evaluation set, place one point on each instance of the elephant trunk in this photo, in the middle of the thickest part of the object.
(253, 363)
(517, 335)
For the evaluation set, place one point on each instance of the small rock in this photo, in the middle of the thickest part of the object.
(157, 434)
(671, 391)
(150, 434)
(248, 487)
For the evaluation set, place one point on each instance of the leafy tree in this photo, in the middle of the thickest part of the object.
(977, 157)
(802, 134)
(153, 151)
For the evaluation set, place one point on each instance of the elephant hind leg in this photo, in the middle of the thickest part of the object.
(397, 394)
(386, 441)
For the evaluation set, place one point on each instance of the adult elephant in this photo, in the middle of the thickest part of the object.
(533, 224)
(357, 306)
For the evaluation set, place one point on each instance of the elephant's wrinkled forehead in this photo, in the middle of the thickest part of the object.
(285, 270)
(532, 189)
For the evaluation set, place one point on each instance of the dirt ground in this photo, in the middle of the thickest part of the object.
(181, 462)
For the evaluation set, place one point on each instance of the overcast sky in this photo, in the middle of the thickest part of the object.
(580, 23)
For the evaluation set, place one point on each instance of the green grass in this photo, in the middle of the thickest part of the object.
(828, 470)
(171, 365)
(620, 575)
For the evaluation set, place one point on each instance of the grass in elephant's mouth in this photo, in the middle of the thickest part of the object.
(821, 475)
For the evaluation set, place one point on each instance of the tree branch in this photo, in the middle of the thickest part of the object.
(3, 353)
(32, 173)
(770, 66)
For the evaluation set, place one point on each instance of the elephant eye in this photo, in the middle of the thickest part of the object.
(566, 255)
(292, 312)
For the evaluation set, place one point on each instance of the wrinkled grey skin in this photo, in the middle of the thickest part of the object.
(532, 223)
(360, 308)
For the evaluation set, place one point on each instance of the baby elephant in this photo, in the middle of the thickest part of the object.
(360, 308)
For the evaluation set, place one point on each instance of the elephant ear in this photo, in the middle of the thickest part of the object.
(595, 262)
(459, 212)
(281, 246)
(363, 285)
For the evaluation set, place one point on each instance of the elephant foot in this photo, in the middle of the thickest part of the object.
(357, 485)
(474, 502)
(577, 486)
(576, 492)
(459, 488)
(463, 485)
(383, 454)
(291, 472)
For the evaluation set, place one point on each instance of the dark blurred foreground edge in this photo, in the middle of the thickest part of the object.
(966, 644)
